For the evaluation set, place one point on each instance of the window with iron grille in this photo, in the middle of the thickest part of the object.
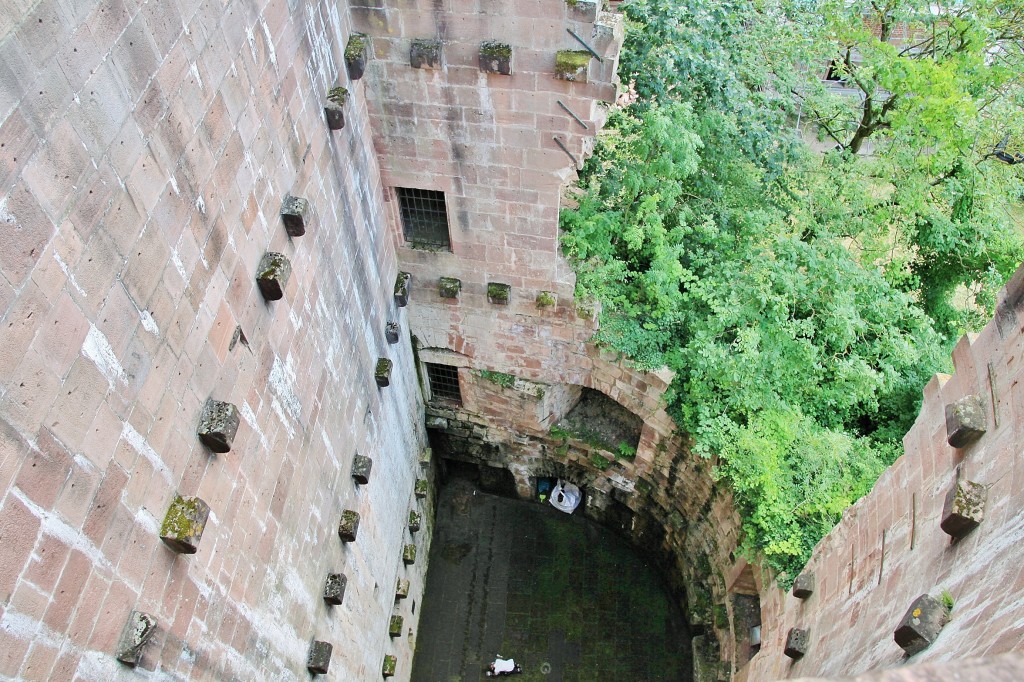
(444, 382)
(424, 218)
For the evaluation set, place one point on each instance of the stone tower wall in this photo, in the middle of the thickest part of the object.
(145, 151)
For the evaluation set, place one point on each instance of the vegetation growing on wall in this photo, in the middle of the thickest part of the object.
(803, 297)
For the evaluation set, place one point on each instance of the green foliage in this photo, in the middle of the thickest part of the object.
(803, 298)
(500, 378)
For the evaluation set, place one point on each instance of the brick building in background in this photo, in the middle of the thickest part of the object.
(159, 158)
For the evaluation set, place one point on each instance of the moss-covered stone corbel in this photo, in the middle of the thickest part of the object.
(920, 624)
(349, 526)
(355, 55)
(319, 659)
(496, 57)
(803, 586)
(499, 294)
(546, 299)
(582, 10)
(402, 289)
(401, 589)
(391, 332)
(449, 287)
(218, 425)
(965, 421)
(395, 626)
(572, 65)
(425, 54)
(388, 668)
(382, 373)
(136, 632)
(272, 275)
(414, 520)
(796, 643)
(964, 509)
(334, 588)
(184, 524)
(421, 488)
(293, 214)
(409, 554)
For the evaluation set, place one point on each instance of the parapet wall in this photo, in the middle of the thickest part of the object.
(889, 548)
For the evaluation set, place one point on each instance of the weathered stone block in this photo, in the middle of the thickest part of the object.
(421, 488)
(496, 57)
(796, 643)
(449, 287)
(218, 425)
(349, 526)
(402, 289)
(136, 632)
(965, 421)
(582, 10)
(964, 508)
(390, 663)
(334, 588)
(391, 332)
(401, 589)
(334, 108)
(319, 658)
(425, 54)
(184, 524)
(499, 294)
(409, 554)
(426, 457)
(414, 520)
(395, 626)
(572, 65)
(293, 215)
(382, 373)
(272, 275)
(361, 468)
(546, 299)
(920, 625)
(355, 55)
(803, 586)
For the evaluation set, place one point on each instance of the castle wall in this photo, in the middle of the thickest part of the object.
(889, 547)
(146, 149)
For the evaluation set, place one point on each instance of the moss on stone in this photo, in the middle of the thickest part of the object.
(181, 519)
(402, 282)
(499, 293)
(500, 378)
(356, 47)
(390, 663)
(546, 299)
(493, 48)
(338, 95)
(571, 64)
(395, 626)
(600, 462)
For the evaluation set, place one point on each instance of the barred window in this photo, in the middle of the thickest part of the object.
(444, 382)
(424, 218)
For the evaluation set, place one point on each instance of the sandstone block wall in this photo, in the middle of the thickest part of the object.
(889, 547)
(145, 150)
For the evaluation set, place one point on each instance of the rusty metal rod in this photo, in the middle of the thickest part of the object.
(570, 112)
(566, 150)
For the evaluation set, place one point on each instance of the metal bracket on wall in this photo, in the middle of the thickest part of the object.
(566, 150)
(584, 44)
(574, 116)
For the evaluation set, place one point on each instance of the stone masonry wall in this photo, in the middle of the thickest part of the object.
(889, 547)
(146, 147)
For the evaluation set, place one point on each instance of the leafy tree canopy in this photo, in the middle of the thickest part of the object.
(802, 254)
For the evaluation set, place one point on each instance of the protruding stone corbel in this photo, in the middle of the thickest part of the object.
(134, 635)
(382, 373)
(964, 508)
(425, 458)
(334, 109)
(803, 586)
(401, 589)
(496, 57)
(272, 275)
(334, 588)
(349, 526)
(920, 625)
(402, 289)
(965, 421)
(414, 520)
(293, 215)
(388, 668)
(425, 54)
(499, 294)
(449, 287)
(409, 554)
(184, 524)
(355, 55)
(218, 425)
(796, 643)
(572, 65)
(546, 299)
(582, 10)
(421, 488)
(361, 468)
(395, 626)
(319, 658)
(391, 332)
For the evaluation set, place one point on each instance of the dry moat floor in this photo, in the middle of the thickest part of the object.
(569, 600)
